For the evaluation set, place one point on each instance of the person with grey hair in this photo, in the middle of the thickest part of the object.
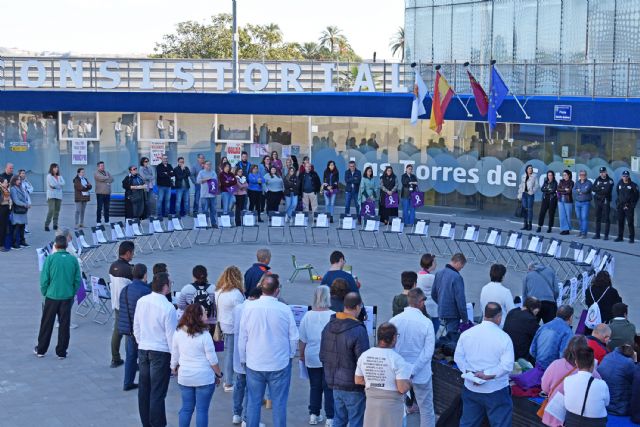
(311, 328)
(541, 282)
(552, 338)
(583, 190)
(598, 341)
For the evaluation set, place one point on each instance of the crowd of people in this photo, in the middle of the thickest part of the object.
(239, 333)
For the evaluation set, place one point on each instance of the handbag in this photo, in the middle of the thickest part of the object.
(368, 208)
(391, 201)
(540, 412)
(417, 199)
(218, 337)
(19, 210)
(212, 187)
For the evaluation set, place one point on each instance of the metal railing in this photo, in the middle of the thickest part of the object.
(593, 79)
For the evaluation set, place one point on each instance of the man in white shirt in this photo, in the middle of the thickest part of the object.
(495, 291)
(160, 127)
(485, 356)
(416, 342)
(70, 127)
(117, 130)
(267, 342)
(154, 323)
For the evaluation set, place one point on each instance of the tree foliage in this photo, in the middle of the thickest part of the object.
(397, 43)
(212, 40)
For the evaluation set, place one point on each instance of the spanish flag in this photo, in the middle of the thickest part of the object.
(442, 94)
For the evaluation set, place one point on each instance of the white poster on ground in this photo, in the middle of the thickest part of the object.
(156, 150)
(79, 152)
(234, 152)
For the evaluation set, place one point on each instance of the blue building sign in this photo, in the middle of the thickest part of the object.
(562, 113)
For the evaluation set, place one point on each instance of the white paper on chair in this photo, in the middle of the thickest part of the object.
(493, 237)
(347, 223)
(128, 230)
(371, 225)
(201, 220)
(578, 255)
(322, 220)
(248, 221)
(556, 407)
(100, 236)
(176, 224)
(513, 240)
(446, 230)
(553, 248)
(83, 241)
(299, 220)
(225, 221)
(470, 311)
(371, 320)
(560, 288)
(533, 244)
(119, 232)
(95, 294)
(420, 226)
(603, 263)
(396, 225)
(304, 374)
(573, 290)
(114, 235)
(591, 256)
(277, 221)
(469, 232)
(157, 227)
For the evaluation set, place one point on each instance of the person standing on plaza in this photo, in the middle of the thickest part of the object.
(117, 130)
(526, 194)
(264, 168)
(311, 326)
(128, 300)
(200, 291)
(549, 201)
(369, 191)
(20, 205)
(164, 177)
(147, 174)
(628, 196)
(81, 188)
(583, 194)
(352, 179)
(254, 274)
(388, 187)
(195, 363)
(240, 194)
(229, 293)
(330, 180)
(448, 293)
(5, 212)
(160, 127)
(267, 343)
(565, 201)
(244, 163)
(103, 181)
(485, 355)
(8, 172)
(602, 191)
(416, 343)
(255, 191)
(309, 188)
(207, 198)
(495, 291)
(55, 182)
(344, 340)
(425, 282)
(291, 192)
(275, 161)
(541, 282)
(274, 188)
(338, 261)
(60, 280)
(134, 194)
(182, 174)
(195, 170)
(409, 185)
(228, 183)
(120, 275)
(154, 324)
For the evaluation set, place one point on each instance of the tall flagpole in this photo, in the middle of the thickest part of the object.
(234, 48)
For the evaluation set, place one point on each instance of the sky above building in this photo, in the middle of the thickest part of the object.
(133, 27)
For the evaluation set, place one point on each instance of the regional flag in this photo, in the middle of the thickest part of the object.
(497, 93)
(442, 94)
(482, 102)
(420, 92)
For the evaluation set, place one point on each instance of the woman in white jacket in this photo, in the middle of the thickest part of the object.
(55, 182)
(526, 193)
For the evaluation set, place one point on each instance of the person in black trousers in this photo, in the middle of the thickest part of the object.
(602, 188)
(549, 201)
(627, 201)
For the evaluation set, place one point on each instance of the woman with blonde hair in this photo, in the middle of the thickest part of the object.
(229, 293)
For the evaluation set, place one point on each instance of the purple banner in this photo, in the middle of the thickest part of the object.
(417, 199)
(391, 201)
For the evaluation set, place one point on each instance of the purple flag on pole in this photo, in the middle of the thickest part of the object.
(391, 201)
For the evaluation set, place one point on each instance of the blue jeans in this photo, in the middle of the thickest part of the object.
(208, 206)
(318, 386)
(198, 398)
(497, 406)
(196, 200)
(182, 194)
(349, 408)
(164, 200)
(408, 212)
(118, 138)
(564, 212)
(152, 387)
(436, 324)
(229, 375)
(348, 196)
(278, 382)
(527, 204)
(582, 212)
(240, 396)
(291, 202)
(130, 361)
(453, 332)
(161, 133)
(227, 198)
(329, 202)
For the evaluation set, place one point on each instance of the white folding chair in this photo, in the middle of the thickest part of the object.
(105, 247)
(514, 241)
(320, 226)
(89, 252)
(102, 300)
(250, 222)
(567, 262)
(370, 227)
(532, 249)
(492, 239)
(470, 234)
(347, 226)
(396, 229)
(157, 230)
(276, 226)
(200, 225)
(179, 234)
(141, 238)
(421, 233)
(446, 234)
(298, 228)
(87, 305)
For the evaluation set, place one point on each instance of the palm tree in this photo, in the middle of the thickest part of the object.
(310, 50)
(330, 37)
(397, 42)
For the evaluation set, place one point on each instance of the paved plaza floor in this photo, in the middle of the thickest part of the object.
(84, 391)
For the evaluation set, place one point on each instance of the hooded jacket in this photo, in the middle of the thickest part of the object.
(617, 371)
(344, 339)
(448, 293)
(541, 283)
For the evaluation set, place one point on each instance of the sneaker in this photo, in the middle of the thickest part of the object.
(116, 363)
(315, 419)
(25, 245)
(46, 228)
(619, 239)
(3, 249)
(35, 351)
(55, 227)
(236, 419)
(329, 422)
(62, 357)
(228, 388)
(73, 326)
(130, 387)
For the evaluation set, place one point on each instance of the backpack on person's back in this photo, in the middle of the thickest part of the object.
(206, 300)
(594, 318)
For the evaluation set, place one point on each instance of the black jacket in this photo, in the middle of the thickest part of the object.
(331, 178)
(182, 175)
(352, 180)
(602, 189)
(253, 275)
(406, 187)
(627, 194)
(121, 268)
(314, 178)
(610, 297)
(521, 326)
(291, 185)
(163, 175)
(549, 190)
(343, 341)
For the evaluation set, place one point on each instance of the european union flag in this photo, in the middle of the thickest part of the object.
(497, 94)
